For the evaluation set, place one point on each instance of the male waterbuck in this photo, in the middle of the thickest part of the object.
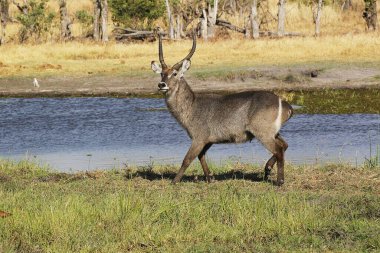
(234, 118)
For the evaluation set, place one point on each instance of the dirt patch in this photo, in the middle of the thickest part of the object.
(269, 78)
(48, 66)
(2, 65)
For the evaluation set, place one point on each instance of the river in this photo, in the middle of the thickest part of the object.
(73, 134)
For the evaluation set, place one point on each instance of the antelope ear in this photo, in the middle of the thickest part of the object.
(185, 66)
(156, 67)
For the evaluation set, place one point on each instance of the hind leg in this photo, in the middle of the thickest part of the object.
(277, 147)
(270, 163)
(268, 167)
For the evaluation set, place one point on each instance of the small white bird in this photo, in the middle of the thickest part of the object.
(35, 83)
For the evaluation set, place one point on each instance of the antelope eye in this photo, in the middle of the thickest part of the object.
(175, 74)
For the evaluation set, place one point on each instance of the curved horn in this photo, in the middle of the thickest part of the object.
(192, 51)
(160, 53)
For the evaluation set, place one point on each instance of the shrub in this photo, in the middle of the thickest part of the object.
(36, 22)
(136, 14)
(86, 20)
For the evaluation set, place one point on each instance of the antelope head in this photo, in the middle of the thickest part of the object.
(170, 76)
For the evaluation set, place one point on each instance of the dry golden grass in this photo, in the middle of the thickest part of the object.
(343, 40)
(78, 58)
(299, 18)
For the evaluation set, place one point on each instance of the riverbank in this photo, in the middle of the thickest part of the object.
(285, 78)
(114, 69)
(320, 208)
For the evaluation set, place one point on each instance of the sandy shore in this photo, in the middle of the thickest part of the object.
(274, 78)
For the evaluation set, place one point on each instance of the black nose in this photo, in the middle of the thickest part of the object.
(161, 85)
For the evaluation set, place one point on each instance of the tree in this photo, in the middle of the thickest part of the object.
(281, 18)
(208, 19)
(317, 11)
(254, 20)
(213, 14)
(203, 24)
(170, 20)
(188, 11)
(86, 20)
(136, 14)
(100, 20)
(347, 4)
(35, 19)
(4, 16)
(65, 21)
(370, 14)
(22, 8)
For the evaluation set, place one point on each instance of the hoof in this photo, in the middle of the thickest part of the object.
(209, 179)
(280, 182)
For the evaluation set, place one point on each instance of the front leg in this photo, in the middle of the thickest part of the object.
(195, 149)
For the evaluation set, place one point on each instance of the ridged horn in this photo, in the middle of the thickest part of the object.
(192, 51)
(160, 53)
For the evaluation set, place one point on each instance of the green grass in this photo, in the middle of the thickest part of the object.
(320, 208)
(335, 101)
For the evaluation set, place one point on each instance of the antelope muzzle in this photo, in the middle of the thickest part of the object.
(162, 86)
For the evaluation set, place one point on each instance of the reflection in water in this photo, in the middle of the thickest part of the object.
(88, 133)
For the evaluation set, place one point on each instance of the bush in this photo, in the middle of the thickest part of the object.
(36, 22)
(86, 20)
(136, 14)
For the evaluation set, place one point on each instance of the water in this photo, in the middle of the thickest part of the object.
(88, 133)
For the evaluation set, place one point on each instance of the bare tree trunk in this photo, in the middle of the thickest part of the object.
(213, 12)
(4, 16)
(65, 21)
(178, 31)
(370, 14)
(254, 20)
(100, 20)
(204, 24)
(247, 30)
(281, 18)
(170, 20)
(97, 11)
(317, 16)
(104, 17)
(347, 4)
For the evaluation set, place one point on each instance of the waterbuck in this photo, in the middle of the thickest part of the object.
(211, 119)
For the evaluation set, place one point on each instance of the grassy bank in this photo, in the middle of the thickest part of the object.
(82, 59)
(328, 101)
(320, 208)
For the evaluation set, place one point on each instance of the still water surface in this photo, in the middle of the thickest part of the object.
(88, 133)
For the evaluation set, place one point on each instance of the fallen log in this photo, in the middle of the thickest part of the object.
(235, 28)
(275, 34)
(135, 35)
(230, 26)
(128, 33)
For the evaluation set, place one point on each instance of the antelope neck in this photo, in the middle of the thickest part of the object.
(180, 101)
